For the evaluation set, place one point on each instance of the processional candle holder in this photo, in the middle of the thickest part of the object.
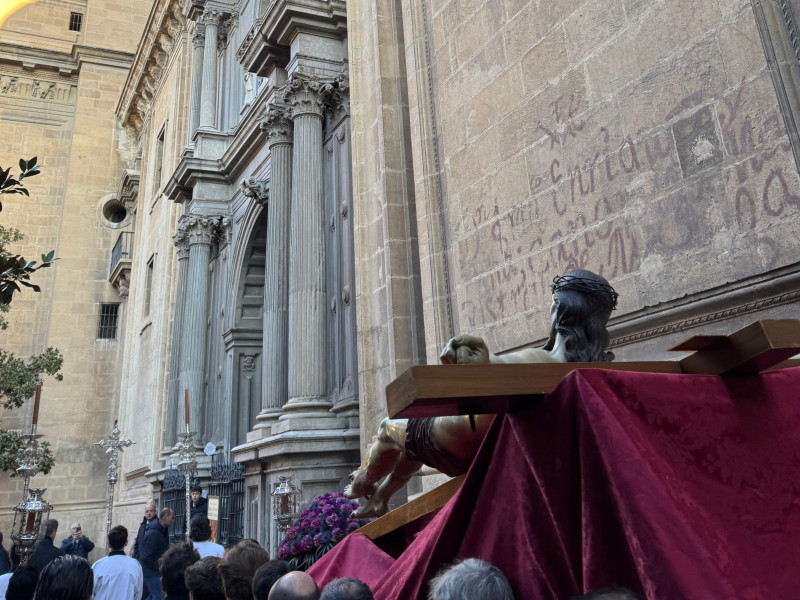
(285, 504)
(32, 509)
(113, 445)
(188, 462)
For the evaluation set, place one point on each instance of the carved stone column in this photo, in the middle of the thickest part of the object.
(194, 328)
(208, 99)
(174, 423)
(198, 41)
(277, 126)
(307, 297)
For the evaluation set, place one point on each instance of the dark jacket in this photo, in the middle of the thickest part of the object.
(44, 554)
(155, 543)
(137, 545)
(5, 560)
(81, 548)
(200, 507)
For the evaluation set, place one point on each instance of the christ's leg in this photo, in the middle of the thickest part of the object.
(378, 504)
(387, 450)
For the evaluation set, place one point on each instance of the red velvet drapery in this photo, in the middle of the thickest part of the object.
(676, 486)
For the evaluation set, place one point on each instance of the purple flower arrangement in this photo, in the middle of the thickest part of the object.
(324, 523)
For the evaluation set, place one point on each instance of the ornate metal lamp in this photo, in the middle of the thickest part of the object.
(188, 463)
(32, 508)
(285, 504)
(113, 446)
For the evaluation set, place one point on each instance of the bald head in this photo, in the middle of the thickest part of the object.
(295, 585)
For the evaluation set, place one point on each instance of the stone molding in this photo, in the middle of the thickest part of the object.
(257, 189)
(164, 28)
(277, 125)
(128, 190)
(339, 99)
(307, 95)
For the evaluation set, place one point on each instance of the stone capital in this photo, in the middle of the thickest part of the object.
(198, 230)
(277, 125)
(257, 189)
(306, 95)
(212, 17)
(199, 35)
(181, 240)
(339, 98)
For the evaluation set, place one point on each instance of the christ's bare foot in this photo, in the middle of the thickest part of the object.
(375, 506)
(359, 487)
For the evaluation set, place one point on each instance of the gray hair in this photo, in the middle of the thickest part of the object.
(471, 579)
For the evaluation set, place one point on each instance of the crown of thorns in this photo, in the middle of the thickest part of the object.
(589, 286)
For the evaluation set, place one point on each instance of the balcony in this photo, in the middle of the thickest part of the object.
(121, 256)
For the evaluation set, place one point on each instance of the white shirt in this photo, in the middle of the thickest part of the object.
(4, 584)
(208, 549)
(117, 577)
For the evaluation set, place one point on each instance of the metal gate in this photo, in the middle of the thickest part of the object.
(173, 495)
(227, 483)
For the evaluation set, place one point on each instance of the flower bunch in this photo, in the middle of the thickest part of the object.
(324, 523)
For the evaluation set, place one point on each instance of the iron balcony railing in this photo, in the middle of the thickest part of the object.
(123, 249)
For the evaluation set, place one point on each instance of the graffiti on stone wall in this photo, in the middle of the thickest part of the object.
(605, 200)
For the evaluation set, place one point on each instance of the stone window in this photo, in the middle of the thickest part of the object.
(159, 159)
(148, 285)
(75, 21)
(107, 328)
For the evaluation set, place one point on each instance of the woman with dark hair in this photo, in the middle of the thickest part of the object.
(582, 304)
(200, 533)
(66, 578)
(238, 567)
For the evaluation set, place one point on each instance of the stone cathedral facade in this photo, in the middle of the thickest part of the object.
(319, 194)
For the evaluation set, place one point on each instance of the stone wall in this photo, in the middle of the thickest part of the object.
(642, 140)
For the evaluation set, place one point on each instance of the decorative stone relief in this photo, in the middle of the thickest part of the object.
(198, 230)
(248, 365)
(123, 283)
(306, 95)
(199, 35)
(211, 17)
(257, 189)
(248, 39)
(339, 99)
(181, 241)
(277, 125)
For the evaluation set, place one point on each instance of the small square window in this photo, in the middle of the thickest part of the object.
(75, 21)
(109, 314)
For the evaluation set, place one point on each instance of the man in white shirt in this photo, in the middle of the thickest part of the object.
(200, 532)
(117, 577)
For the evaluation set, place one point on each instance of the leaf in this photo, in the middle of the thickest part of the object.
(50, 255)
(32, 162)
(23, 166)
(32, 173)
(24, 191)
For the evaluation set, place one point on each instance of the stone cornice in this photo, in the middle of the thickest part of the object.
(164, 27)
(32, 59)
(128, 190)
(284, 17)
(259, 55)
(189, 171)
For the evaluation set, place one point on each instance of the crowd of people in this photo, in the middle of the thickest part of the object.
(204, 570)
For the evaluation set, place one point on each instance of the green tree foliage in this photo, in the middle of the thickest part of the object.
(19, 377)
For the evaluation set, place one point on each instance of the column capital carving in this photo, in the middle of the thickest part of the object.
(211, 17)
(257, 189)
(181, 240)
(199, 35)
(277, 125)
(306, 95)
(198, 230)
(339, 98)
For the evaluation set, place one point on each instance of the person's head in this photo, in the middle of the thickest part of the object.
(150, 512)
(616, 593)
(200, 528)
(239, 566)
(50, 528)
(75, 528)
(196, 493)
(470, 579)
(66, 578)
(266, 575)
(346, 588)
(22, 584)
(165, 517)
(172, 566)
(582, 305)
(203, 581)
(295, 585)
(117, 538)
